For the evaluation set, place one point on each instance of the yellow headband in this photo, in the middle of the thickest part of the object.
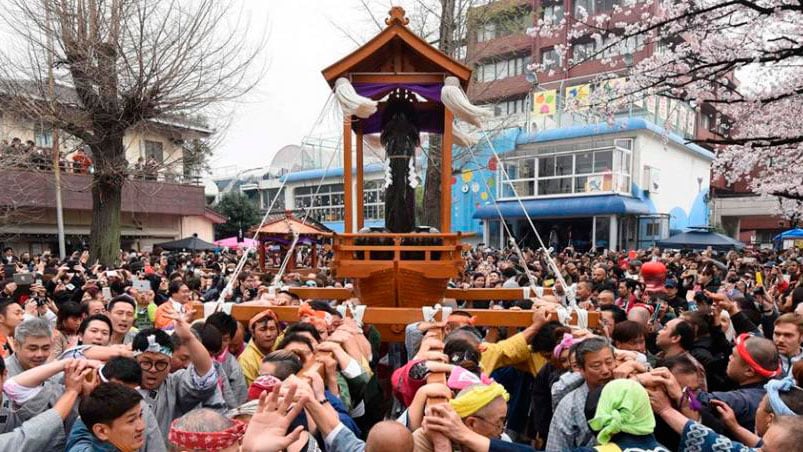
(477, 398)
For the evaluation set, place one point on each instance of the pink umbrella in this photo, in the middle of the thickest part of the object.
(231, 242)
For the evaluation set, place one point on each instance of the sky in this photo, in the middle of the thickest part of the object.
(302, 39)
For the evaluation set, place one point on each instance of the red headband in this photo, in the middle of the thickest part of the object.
(741, 349)
(261, 317)
(207, 440)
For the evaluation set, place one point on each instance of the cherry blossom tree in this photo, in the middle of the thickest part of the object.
(744, 58)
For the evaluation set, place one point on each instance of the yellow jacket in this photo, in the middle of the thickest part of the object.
(513, 351)
(250, 361)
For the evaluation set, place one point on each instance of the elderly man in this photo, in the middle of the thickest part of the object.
(34, 342)
(569, 428)
(205, 429)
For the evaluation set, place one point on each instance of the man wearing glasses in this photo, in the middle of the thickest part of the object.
(171, 395)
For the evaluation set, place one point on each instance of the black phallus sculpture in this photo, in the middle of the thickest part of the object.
(400, 137)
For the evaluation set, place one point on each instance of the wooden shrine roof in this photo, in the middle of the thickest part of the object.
(283, 225)
(397, 55)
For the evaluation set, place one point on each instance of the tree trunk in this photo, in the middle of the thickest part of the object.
(432, 183)
(107, 189)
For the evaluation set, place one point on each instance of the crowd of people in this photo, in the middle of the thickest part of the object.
(689, 351)
(27, 155)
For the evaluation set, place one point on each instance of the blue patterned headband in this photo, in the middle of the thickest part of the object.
(155, 347)
(774, 389)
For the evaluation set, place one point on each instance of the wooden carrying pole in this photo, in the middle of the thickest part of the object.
(391, 321)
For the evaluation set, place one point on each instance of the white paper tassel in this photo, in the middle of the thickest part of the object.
(388, 175)
(351, 102)
(412, 178)
(463, 138)
(455, 99)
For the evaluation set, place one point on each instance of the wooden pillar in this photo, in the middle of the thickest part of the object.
(348, 189)
(360, 182)
(446, 171)
(261, 254)
(314, 255)
(291, 262)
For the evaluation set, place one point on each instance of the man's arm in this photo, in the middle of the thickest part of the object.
(515, 349)
(39, 431)
(199, 356)
(562, 428)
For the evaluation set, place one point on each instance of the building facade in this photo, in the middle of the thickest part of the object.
(162, 203)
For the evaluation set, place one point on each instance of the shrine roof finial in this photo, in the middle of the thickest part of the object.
(397, 15)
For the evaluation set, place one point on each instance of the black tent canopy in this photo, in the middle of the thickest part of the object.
(700, 239)
(188, 244)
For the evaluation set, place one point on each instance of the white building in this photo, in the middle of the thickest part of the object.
(614, 186)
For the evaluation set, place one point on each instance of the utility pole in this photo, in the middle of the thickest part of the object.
(51, 82)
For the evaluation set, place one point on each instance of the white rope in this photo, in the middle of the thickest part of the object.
(462, 138)
(239, 267)
(352, 103)
(296, 236)
(569, 293)
(515, 245)
(457, 102)
(429, 312)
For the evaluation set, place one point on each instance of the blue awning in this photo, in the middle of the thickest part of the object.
(580, 206)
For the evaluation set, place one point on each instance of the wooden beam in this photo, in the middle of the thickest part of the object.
(413, 78)
(322, 293)
(360, 180)
(335, 293)
(446, 171)
(517, 293)
(348, 190)
(391, 321)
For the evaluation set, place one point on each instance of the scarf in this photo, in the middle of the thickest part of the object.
(774, 389)
(477, 398)
(211, 441)
(624, 406)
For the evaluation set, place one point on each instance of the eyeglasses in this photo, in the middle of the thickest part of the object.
(158, 365)
(500, 424)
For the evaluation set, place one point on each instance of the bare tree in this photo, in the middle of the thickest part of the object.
(122, 62)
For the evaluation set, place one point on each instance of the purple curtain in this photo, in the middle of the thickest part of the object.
(429, 120)
(430, 92)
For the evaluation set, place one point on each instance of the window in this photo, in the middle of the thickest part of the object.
(328, 203)
(42, 136)
(550, 58)
(583, 51)
(154, 149)
(509, 107)
(595, 6)
(498, 70)
(267, 198)
(553, 13)
(594, 168)
(374, 200)
(653, 229)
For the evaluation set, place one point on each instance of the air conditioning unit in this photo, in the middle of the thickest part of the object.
(651, 180)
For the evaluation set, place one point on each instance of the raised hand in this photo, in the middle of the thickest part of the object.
(267, 430)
